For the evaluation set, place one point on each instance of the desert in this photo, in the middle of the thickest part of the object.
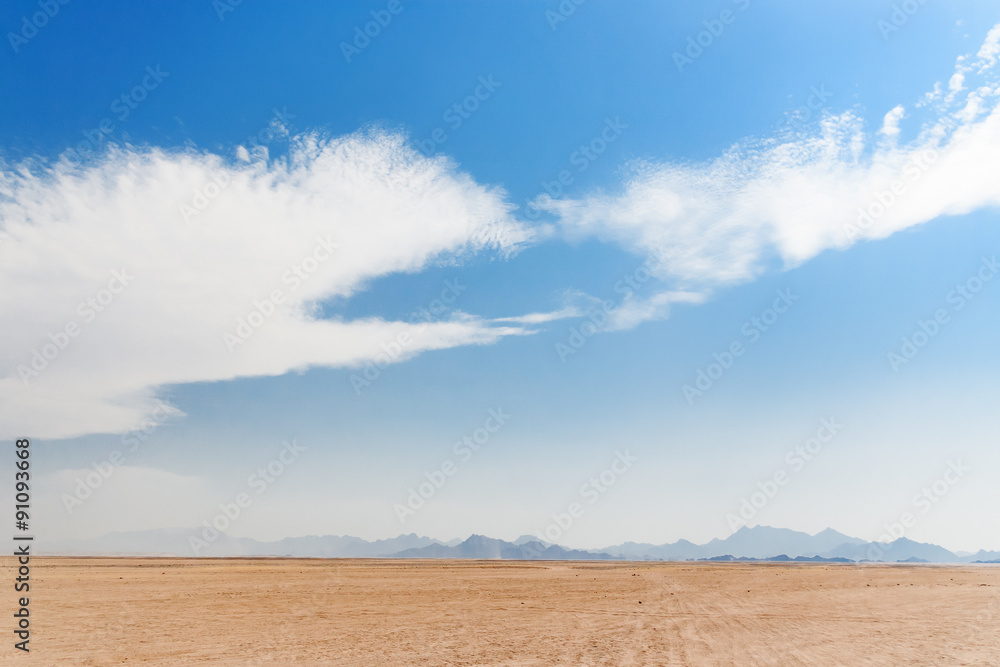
(170, 611)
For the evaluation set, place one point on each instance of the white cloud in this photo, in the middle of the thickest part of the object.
(989, 53)
(721, 221)
(208, 240)
(890, 124)
(541, 318)
(193, 273)
(957, 82)
(934, 95)
(635, 310)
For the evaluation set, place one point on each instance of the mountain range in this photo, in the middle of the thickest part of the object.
(756, 543)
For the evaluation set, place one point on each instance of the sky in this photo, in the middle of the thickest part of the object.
(573, 270)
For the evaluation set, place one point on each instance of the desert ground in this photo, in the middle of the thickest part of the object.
(110, 611)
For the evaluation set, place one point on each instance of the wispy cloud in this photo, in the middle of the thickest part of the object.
(722, 221)
(541, 318)
(147, 268)
(634, 310)
(989, 52)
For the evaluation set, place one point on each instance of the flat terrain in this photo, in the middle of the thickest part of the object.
(376, 612)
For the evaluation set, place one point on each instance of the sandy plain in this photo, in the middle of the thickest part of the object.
(127, 611)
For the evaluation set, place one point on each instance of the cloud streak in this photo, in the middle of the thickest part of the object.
(788, 198)
(144, 268)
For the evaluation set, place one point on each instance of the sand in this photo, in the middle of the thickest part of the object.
(377, 612)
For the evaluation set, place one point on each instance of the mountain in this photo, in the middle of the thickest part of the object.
(679, 550)
(901, 550)
(333, 546)
(833, 537)
(765, 541)
(981, 556)
(478, 546)
(780, 558)
(756, 543)
(192, 542)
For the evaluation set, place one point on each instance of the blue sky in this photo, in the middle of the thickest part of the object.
(713, 171)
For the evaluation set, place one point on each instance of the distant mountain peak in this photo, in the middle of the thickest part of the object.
(749, 543)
